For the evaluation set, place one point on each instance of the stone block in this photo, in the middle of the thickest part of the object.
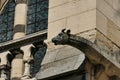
(82, 22)
(116, 5)
(67, 52)
(108, 11)
(101, 22)
(59, 67)
(20, 14)
(110, 2)
(116, 53)
(49, 57)
(89, 34)
(55, 27)
(17, 69)
(104, 43)
(71, 8)
(79, 60)
(113, 32)
(60, 53)
(54, 3)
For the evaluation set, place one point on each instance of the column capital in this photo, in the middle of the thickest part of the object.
(29, 51)
(20, 1)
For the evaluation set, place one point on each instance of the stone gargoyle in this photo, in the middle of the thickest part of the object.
(91, 50)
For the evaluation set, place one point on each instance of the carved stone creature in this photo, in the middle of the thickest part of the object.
(90, 49)
(62, 38)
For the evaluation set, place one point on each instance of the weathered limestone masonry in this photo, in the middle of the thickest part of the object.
(95, 20)
(108, 24)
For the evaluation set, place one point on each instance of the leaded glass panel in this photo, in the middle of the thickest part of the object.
(37, 19)
(6, 22)
(37, 15)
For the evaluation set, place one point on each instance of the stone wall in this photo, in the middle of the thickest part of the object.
(77, 15)
(107, 23)
(108, 17)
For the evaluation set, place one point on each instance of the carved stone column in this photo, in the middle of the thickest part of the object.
(5, 65)
(17, 65)
(20, 18)
(20, 21)
(29, 51)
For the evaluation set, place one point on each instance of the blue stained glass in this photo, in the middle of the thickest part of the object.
(0, 20)
(30, 29)
(42, 15)
(9, 35)
(2, 37)
(42, 5)
(39, 55)
(5, 10)
(31, 9)
(9, 28)
(37, 15)
(5, 18)
(30, 2)
(3, 28)
(40, 0)
(11, 6)
(11, 17)
(31, 18)
(6, 21)
(41, 25)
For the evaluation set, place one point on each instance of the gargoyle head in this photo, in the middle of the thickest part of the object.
(62, 37)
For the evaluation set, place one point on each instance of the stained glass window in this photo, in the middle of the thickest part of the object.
(37, 15)
(6, 22)
(37, 18)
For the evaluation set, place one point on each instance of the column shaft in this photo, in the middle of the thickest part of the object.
(19, 32)
(20, 20)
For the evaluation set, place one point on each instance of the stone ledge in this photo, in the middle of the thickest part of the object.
(60, 67)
